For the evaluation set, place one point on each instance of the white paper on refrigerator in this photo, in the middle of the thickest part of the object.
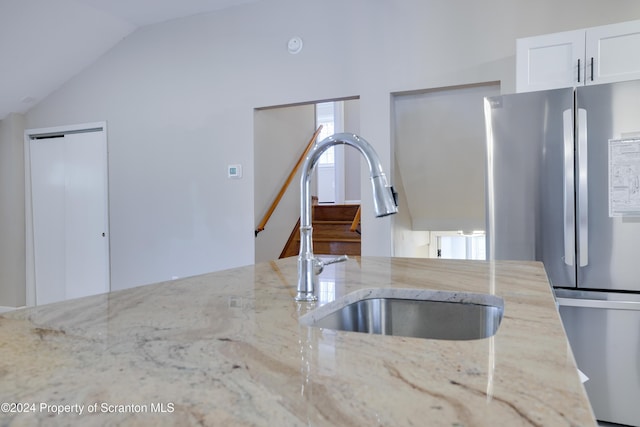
(624, 177)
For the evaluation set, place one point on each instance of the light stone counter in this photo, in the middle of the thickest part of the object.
(227, 349)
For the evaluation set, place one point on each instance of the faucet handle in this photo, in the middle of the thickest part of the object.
(320, 264)
(341, 258)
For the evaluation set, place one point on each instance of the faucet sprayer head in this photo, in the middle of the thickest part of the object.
(383, 201)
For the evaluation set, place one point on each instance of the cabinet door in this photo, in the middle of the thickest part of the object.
(613, 53)
(550, 61)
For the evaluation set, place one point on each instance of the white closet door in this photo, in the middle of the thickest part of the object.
(47, 193)
(70, 216)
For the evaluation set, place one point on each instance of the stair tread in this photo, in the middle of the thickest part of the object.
(335, 212)
(316, 222)
(334, 239)
(337, 239)
(329, 232)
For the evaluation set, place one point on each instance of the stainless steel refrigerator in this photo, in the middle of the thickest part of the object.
(563, 187)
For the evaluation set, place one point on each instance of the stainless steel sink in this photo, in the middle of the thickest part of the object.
(412, 313)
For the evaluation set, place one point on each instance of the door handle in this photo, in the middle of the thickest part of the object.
(568, 190)
(604, 304)
(578, 70)
(583, 189)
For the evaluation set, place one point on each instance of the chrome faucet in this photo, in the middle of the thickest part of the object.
(383, 203)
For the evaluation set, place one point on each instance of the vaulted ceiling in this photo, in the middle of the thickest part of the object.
(44, 43)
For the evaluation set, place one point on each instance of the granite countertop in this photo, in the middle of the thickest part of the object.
(227, 349)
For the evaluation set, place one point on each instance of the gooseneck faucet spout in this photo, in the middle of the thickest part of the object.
(383, 203)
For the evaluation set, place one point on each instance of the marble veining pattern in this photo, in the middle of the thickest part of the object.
(227, 349)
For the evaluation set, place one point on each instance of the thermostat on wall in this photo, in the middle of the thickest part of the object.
(234, 171)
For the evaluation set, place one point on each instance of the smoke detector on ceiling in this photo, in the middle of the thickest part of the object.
(294, 45)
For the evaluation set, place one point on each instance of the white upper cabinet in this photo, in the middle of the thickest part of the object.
(613, 53)
(605, 54)
(549, 61)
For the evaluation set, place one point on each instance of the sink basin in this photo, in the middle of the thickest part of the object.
(412, 313)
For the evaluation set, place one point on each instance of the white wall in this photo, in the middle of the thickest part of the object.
(406, 242)
(12, 231)
(353, 160)
(179, 100)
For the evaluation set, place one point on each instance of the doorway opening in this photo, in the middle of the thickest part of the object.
(330, 168)
(280, 136)
(439, 146)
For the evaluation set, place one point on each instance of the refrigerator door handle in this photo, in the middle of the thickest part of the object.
(583, 190)
(568, 191)
(594, 303)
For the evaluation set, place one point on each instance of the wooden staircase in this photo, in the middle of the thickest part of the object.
(332, 233)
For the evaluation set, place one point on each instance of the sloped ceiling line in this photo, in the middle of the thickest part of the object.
(45, 43)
